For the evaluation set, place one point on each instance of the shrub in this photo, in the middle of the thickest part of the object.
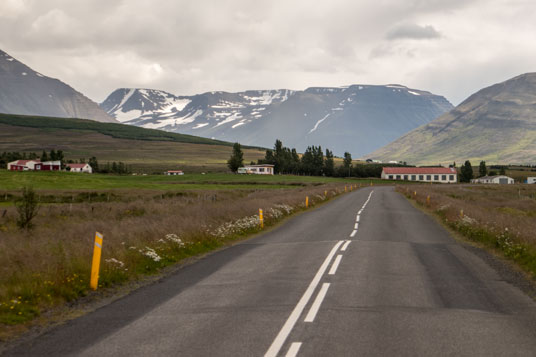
(27, 208)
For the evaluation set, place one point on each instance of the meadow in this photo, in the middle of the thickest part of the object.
(148, 222)
(500, 218)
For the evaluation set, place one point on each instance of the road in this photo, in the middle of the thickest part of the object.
(366, 274)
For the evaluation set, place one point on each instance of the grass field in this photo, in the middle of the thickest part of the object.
(10, 181)
(501, 218)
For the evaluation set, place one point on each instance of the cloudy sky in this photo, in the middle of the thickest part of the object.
(449, 47)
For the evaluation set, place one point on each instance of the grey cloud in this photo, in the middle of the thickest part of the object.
(412, 31)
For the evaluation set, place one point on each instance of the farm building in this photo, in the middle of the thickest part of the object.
(265, 169)
(423, 174)
(531, 180)
(34, 165)
(80, 168)
(494, 179)
(173, 172)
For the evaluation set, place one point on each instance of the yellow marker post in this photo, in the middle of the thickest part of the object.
(428, 199)
(94, 282)
(325, 193)
(461, 213)
(344, 188)
(371, 183)
(306, 201)
(415, 193)
(261, 218)
(351, 188)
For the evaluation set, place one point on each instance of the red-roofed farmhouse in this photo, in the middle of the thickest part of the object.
(423, 174)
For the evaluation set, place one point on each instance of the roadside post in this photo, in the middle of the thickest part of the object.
(306, 201)
(97, 249)
(428, 200)
(261, 218)
(461, 213)
(326, 193)
(344, 188)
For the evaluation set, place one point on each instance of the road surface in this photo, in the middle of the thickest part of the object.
(364, 275)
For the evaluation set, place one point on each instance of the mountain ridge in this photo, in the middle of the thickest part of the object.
(326, 116)
(27, 92)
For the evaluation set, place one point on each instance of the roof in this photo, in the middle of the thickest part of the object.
(76, 166)
(419, 170)
(174, 171)
(23, 162)
(263, 165)
(492, 177)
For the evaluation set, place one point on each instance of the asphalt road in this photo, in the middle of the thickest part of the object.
(326, 283)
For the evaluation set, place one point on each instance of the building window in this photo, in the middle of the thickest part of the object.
(421, 177)
(390, 177)
(413, 177)
(436, 177)
(261, 169)
(443, 177)
(398, 177)
(428, 177)
(451, 177)
(406, 177)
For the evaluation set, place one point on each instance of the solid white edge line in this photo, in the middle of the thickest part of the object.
(357, 218)
(345, 245)
(316, 304)
(352, 235)
(335, 264)
(279, 340)
(293, 350)
(356, 225)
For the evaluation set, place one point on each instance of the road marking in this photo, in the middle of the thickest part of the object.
(356, 225)
(352, 235)
(293, 350)
(295, 314)
(359, 212)
(316, 304)
(357, 218)
(336, 263)
(346, 245)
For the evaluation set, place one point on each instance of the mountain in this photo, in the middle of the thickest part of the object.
(357, 118)
(25, 91)
(497, 124)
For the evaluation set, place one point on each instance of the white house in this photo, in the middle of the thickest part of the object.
(531, 180)
(494, 179)
(264, 169)
(422, 174)
(34, 165)
(173, 172)
(80, 168)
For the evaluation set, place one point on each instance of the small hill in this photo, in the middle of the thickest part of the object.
(357, 118)
(497, 124)
(25, 91)
(147, 150)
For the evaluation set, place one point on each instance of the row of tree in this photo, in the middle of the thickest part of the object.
(467, 173)
(313, 162)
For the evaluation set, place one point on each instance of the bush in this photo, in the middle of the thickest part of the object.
(27, 208)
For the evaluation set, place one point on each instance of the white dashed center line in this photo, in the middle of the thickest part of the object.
(335, 264)
(316, 304)
(293, 350)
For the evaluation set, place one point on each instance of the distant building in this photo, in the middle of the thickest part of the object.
(34, 165)
(422, 174)
(264, 169)
(531, 180)
(500, 179)
(80, 168)
(173, 172)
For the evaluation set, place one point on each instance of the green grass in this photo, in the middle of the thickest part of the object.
(120, 131)
(73, 181)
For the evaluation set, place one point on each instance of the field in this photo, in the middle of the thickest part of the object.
(145, 150)
(148, 222)
(501, 218)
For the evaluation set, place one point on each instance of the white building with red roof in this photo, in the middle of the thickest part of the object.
(79, 168)
(34, 165)
(422, 174)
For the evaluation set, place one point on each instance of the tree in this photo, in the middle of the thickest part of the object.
(44, 156)
(482, 170)
(466, 172)
(94, 163)
(502, 171)
(329, 163)
(347, 162)
(27, 208)
(237, 158)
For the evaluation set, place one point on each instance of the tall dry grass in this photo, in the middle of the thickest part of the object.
(502, 217)
(143, 232)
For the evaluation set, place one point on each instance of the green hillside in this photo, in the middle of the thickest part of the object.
(146, 150)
